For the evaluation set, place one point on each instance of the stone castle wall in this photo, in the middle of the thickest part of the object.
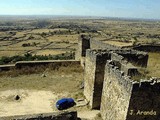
(144, 103)
(108, 83)
(147, 48)
(94, 76)
(89, 76)
(85, 42)
(128, 68)
(83, 45)
(47, 116)
(126, 99)
(23, 64)
(137, 58)
(116, 94)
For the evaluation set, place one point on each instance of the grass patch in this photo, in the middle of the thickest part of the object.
(67, 68)
(57, 78)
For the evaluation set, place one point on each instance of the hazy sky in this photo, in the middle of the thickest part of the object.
(110, 8)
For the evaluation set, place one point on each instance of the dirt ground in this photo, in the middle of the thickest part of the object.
(30, 102)
(39, 92)
(35, 102)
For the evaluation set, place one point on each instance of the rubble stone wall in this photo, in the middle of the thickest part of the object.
(47, 116)
(116, 94)
(94, 76)
(145, 101)
(108, 84)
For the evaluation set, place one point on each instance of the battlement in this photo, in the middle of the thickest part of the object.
(109, 86)
(131, 95)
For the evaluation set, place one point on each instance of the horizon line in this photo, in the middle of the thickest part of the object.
(128, 18)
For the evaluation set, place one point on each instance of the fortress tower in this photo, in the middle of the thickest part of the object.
(109, 84)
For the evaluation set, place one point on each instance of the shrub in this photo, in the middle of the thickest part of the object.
(5, 60)
(30, 57)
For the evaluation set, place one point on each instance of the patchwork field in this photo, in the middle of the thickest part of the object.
(35, 43)
(59, 36)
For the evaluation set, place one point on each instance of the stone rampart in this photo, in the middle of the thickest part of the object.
(22, 64)
(83, 45)
(116, 93)
(46, 116)
(144, 103)
(108, 84)
(6, 67)
(125, 66)
(126, 99)
(137, 58)
(94, 76)
(147, 48)
(89, 75)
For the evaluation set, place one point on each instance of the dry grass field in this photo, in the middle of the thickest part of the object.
(37, 41)
(117, 43)
(61, 36)
(38, 93)
(31, 78)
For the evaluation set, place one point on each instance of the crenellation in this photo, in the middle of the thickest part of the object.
(137, 58)
(145, 100)
(109, 85)
(124, 65)
(116, 57)
(115, 84)
(122, 79)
